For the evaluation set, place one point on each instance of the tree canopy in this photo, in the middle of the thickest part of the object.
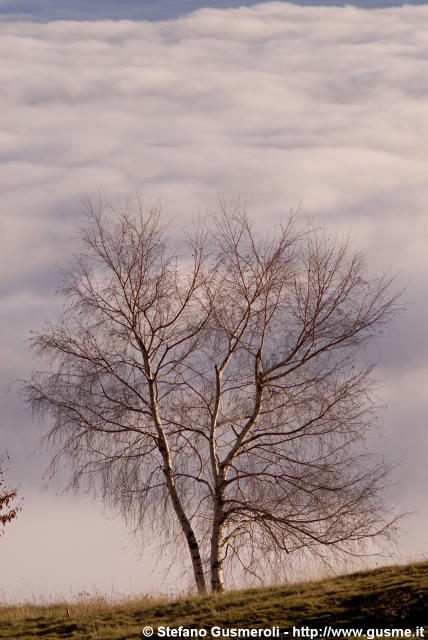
(219, 389)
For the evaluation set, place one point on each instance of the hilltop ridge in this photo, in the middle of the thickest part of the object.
(380, 599)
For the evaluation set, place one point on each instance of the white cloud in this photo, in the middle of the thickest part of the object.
(278, 103)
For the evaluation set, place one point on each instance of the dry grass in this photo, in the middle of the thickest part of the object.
(387, 597)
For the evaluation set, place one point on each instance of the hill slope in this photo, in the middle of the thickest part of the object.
(391, 597)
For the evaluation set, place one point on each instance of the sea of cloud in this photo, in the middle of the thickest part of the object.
(278, 104)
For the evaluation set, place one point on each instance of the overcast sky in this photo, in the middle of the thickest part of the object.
(277, 103)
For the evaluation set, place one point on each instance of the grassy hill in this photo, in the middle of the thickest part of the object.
(390, 597)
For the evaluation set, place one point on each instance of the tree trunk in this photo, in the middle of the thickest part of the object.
(217, 578)
(192, 543)
(186, 527)
(163, 446)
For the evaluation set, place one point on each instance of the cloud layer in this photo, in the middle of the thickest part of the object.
(277, 103)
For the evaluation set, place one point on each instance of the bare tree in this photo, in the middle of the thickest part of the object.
(7, 498)
(219, 390)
